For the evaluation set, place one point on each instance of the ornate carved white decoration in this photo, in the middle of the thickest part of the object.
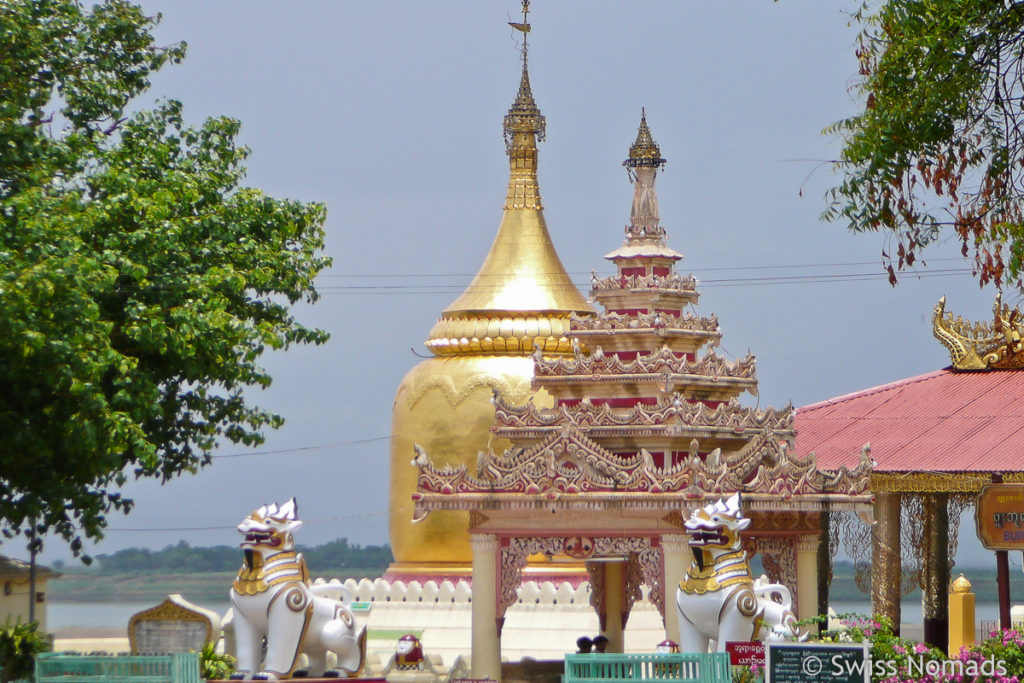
(671, 283)
(646, 322)
(645, 565)
(661, 362)
(644, 212)
(778, 555)
(671, 413)
(274, 598)
(568, 462)
(718, 601)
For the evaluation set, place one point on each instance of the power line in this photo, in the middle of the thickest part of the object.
(845, 264)
(818, 278)
(167, 529)
(457, 280)
(301, 448)
(826, 278)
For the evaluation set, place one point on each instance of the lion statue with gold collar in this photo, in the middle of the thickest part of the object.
(273, 598)
(719, 601)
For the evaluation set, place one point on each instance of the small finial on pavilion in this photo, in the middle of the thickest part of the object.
(644, 152)
(642, 166)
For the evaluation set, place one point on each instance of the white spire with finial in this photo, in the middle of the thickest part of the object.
(643, 163)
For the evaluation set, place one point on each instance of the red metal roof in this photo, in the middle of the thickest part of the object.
(944, 421)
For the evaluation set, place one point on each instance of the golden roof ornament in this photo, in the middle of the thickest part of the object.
(523, 116)
(644, 152)
(961, 585)
(982, 346)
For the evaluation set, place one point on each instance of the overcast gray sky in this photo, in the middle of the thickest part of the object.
(390, 113)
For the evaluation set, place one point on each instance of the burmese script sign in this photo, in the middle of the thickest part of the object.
(745, 653)
(175, 625)
(999, 516)
(817, 663)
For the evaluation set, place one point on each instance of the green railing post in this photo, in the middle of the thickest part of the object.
(70, 668)
(647, 668)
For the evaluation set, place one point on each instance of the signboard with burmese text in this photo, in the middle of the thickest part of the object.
(999, 516)
(743, 653)
(818, 663)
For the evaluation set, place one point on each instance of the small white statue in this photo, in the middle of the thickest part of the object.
(408, 653)
(719, 601)
(667, 647)
(274, 598)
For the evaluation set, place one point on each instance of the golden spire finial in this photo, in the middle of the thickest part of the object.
(521, 297)
(644, 152)
(523, 116)
(524, 26)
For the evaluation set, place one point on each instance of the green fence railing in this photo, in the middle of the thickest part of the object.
(59, 667)
(643, 667)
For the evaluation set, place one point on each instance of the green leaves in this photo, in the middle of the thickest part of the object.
(139, 282)
(215, 666)
(19, 644)
(938, 146)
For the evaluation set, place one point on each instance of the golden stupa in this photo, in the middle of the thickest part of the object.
(521, 298)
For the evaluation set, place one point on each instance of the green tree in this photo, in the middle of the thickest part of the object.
(340, 554)
(139, 280)
(938, 149)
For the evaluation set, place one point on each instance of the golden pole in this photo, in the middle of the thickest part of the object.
(886, 565)
(935, 571)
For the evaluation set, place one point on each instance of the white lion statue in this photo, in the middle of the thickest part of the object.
(719, 601)
(274, 599)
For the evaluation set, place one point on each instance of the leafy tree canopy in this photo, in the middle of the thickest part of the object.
(938, 149)
(139, 281)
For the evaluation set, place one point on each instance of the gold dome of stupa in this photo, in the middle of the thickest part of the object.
(521, 298)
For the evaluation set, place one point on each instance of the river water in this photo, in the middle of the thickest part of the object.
(63, 615)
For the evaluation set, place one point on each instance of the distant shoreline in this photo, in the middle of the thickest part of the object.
(140, 587)
(199, 587)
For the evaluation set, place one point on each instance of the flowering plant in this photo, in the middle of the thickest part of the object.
(893, 659)
(997, 659)
(747, 674)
